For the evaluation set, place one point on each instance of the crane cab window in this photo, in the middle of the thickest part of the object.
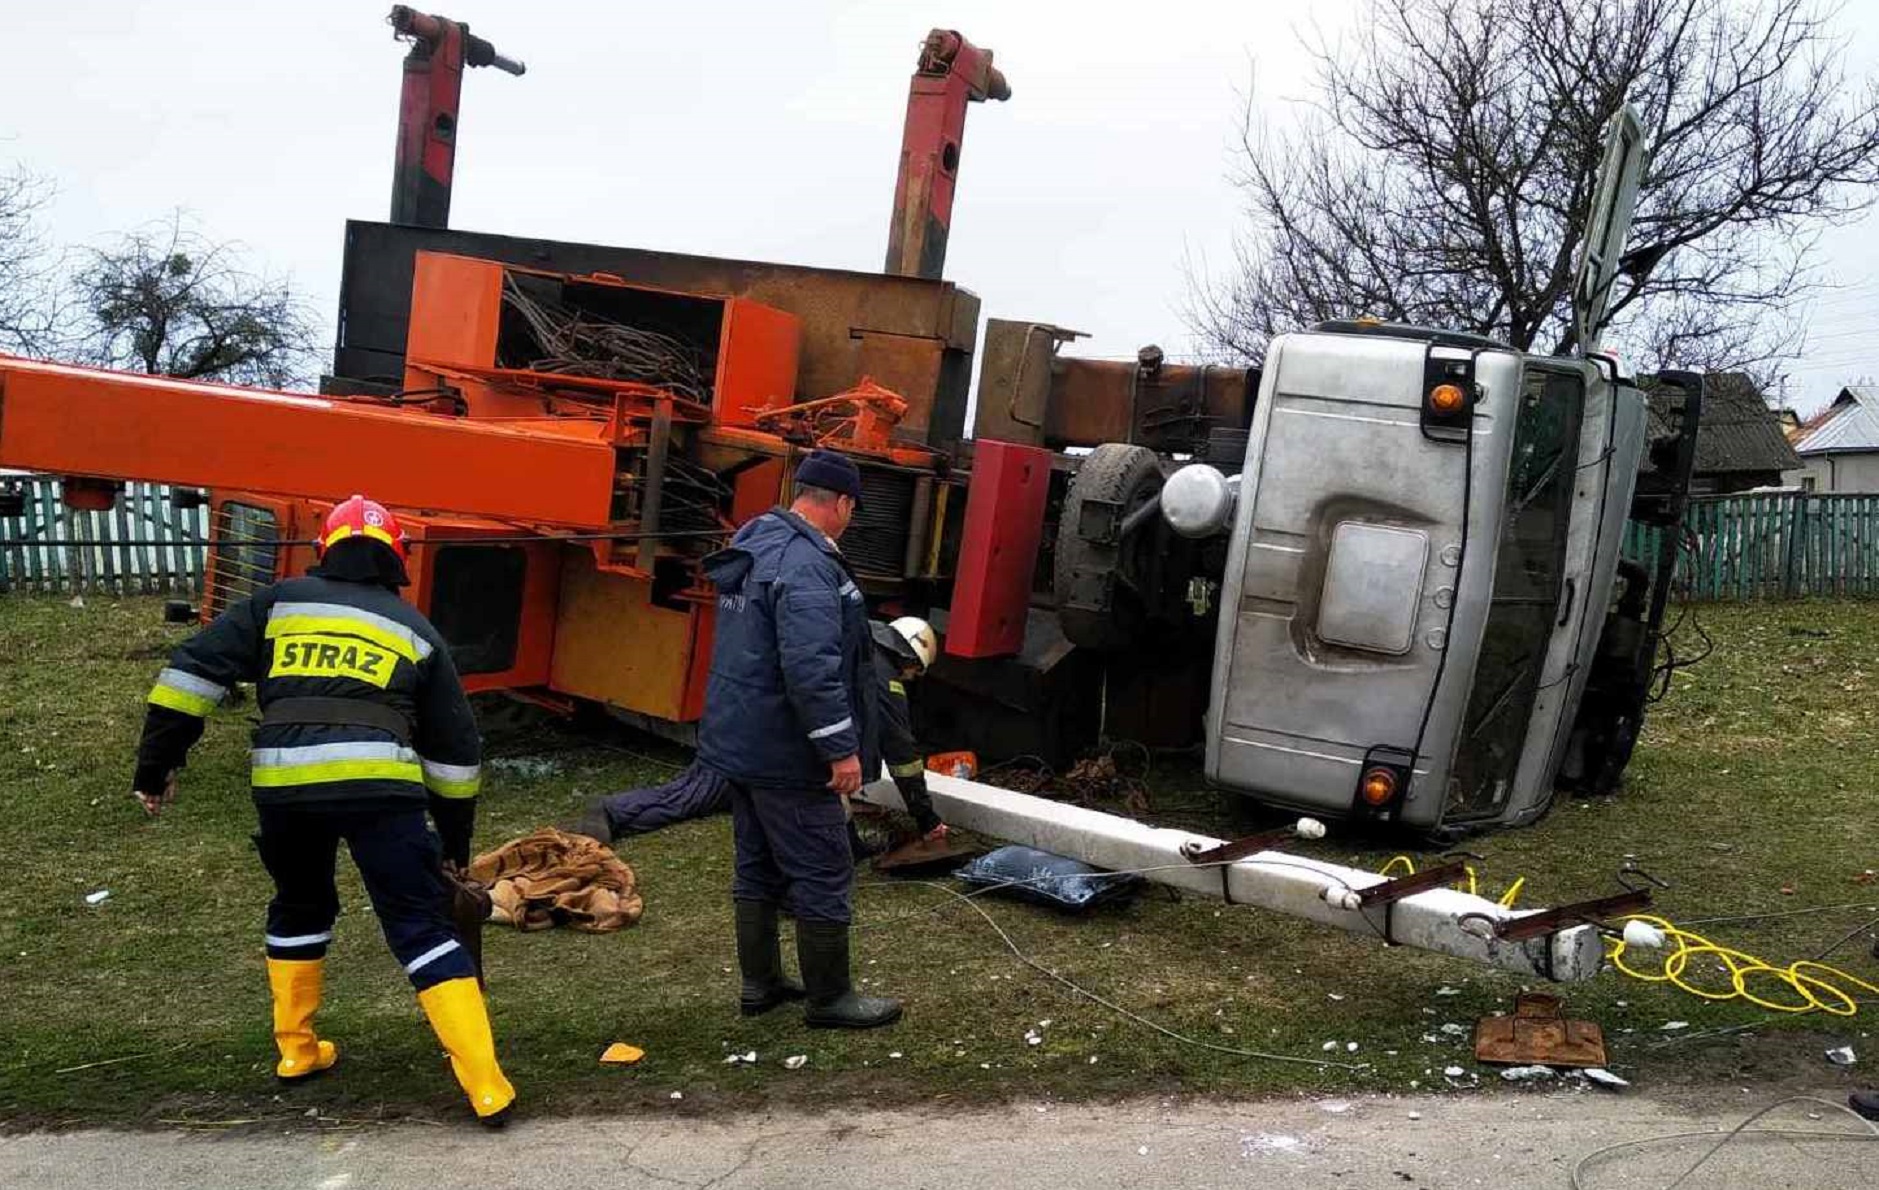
(244, 555)
(476, 604)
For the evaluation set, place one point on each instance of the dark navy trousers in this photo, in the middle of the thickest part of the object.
(792, 849)
(695, 793)
(401, 862)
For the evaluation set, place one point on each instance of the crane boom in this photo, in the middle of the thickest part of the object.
(116, 425)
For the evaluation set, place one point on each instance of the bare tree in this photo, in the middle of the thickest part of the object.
(1444, 171)
(168, 300)
(27, 302)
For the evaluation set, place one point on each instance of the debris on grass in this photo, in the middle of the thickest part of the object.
(117, 1061)
(1455, 1030)
(747, 1058)
(1842, 1056)
(1445, 990)
(621, 1054)
(795, 1061)
(1643, 935)
(1453, 1072)
(1527, 1074)
(528, 768)
(99, 897)
(1673, 1026)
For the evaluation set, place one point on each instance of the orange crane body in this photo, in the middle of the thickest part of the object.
(560, 511)
(533, 498)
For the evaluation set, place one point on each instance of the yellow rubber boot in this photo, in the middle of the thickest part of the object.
(295, 984)
(456, 1012)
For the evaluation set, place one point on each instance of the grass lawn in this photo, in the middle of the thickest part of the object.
(1752, 792)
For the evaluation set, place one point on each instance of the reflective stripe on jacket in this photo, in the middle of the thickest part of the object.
(322, 638)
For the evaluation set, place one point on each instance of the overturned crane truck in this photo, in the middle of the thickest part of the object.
(1387, 591)
(1424, 616)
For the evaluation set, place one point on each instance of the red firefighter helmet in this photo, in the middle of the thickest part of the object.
(359, 517)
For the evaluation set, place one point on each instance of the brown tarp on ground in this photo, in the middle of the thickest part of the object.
(552, 878)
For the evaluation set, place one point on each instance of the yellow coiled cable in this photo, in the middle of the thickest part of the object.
(1817, 986)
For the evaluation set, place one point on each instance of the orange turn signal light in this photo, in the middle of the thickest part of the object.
(1378, 786)
(1447, 399)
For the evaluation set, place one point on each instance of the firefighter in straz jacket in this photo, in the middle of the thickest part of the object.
(787, 720)
(364, 724)
(902, 652)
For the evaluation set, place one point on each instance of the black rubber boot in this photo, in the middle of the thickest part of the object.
(760, 958)
(822, 948)
(1866, 1103)
(593, 822)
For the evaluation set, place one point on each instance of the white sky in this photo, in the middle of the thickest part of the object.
(759, 130)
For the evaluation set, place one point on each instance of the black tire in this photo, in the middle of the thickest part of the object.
(1106, 613)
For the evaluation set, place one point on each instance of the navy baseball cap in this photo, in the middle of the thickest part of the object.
(831, 471)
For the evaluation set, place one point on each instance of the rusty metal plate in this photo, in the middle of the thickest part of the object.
(1538, 1034)
(908, 364)
(1015, 379)
(1168, 408)
(922, 854)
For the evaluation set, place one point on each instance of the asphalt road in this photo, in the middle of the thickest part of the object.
(1510, 1142)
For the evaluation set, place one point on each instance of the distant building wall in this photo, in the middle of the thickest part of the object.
(1856, 472)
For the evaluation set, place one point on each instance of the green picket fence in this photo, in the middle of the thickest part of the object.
(1773, 546)
(1750, 546)
(143, 544)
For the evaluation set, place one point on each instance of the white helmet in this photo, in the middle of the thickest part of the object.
(919, 637)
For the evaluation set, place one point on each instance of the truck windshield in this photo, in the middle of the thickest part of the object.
(1528, 580)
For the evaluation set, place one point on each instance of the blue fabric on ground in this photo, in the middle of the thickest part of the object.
(1046, 879)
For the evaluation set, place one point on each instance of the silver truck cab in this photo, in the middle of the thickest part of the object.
(1424, 548)
(1424, 574)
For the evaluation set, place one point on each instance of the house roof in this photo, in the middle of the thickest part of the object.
(1851, 423)
(1739, 432)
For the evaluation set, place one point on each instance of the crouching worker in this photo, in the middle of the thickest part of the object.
(788, 721)
(902, 652)
(363, 724)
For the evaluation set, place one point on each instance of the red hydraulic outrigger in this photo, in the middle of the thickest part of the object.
(427, 111)
(952, 73)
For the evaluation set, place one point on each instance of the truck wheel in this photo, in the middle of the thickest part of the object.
(1097, 603)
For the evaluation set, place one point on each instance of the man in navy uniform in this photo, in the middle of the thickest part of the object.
(788, 722)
